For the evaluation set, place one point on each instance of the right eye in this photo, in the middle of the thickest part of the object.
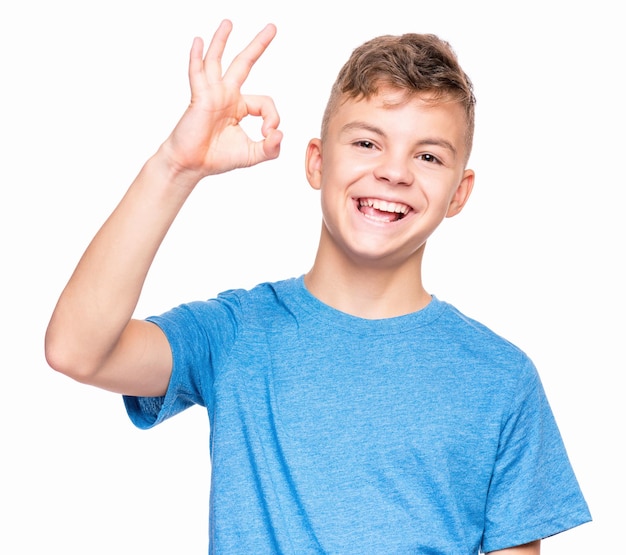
(365, 144)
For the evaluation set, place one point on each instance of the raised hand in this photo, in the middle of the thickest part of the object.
(92, 336)
(208, 138)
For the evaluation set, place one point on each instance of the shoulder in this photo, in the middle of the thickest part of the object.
(226, 312)
(474, 330)
(241, 307)
(262, 296)
(482, 347)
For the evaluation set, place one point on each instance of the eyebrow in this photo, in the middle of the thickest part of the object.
(434, 141)
(358, 125)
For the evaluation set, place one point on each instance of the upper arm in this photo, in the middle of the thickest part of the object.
(532, 548)
(141, 363)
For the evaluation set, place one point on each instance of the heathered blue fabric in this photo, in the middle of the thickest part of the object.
(425, 433)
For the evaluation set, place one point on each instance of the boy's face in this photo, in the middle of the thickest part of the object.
(389, 171)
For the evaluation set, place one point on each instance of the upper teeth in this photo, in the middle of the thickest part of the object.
(384, 206)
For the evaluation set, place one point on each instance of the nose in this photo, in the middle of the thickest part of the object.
(394, 169)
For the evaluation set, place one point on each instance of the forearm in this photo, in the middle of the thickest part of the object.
(101, 296)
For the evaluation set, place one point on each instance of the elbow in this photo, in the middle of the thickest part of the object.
(68, 360)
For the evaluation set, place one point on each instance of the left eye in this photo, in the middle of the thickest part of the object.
(429, 158)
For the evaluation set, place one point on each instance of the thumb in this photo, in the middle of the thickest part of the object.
(271, 144)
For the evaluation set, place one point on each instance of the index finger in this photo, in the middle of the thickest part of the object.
(241, 65)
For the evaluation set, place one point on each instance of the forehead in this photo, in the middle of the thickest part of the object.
(391, 98)
(396, 113)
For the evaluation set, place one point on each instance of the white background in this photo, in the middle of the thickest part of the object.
(90, 89)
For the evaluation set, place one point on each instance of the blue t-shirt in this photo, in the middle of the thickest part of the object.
(425, 433)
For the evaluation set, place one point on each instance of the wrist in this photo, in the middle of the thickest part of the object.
(177, 175)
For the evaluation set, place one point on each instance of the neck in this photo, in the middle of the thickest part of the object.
(368, 290)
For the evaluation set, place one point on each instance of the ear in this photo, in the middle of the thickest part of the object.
(462, 193)
(313, 163)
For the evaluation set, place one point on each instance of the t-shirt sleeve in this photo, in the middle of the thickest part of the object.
(533, 493)
(200, 335)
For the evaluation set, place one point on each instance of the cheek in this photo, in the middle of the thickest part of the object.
(331, 202)
(344, 166)
(439, 189)
(336, 206)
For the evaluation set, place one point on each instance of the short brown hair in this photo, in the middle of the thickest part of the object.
(414, 63)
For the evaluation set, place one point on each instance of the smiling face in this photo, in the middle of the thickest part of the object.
(389, 170)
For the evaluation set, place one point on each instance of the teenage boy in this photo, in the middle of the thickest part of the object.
(351, 411)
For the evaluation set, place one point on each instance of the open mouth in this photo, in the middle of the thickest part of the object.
(382, 210)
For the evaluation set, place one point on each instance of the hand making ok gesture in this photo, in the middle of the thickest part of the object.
(208, 138)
